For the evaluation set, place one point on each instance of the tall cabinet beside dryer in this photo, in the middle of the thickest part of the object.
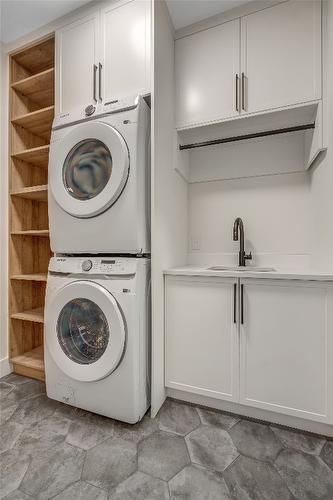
(104, 56)
(31, 110)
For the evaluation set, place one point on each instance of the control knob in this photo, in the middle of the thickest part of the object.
(87, 265)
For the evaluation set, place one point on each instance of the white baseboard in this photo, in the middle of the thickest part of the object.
(5, 367)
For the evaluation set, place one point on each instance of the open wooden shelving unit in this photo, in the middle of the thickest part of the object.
(31, 116)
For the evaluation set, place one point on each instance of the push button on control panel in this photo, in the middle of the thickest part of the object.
(87, 265)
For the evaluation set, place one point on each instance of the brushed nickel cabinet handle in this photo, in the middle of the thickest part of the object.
(243, 92)
(100, 81)
(235, 303)
(242, 304)
(94, 82)
(237, 92)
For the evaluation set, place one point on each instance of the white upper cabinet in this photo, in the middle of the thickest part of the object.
(104, 56)
(201, 336)
(207, 68)
(281, 55)
(125, 40)
(275, 53)
(286, 348)
(77, 59)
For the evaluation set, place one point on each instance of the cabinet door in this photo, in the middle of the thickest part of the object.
(206, 66)
(76, 56)
(201, 337)
(286, 348)
(125, 41)
(281, 55)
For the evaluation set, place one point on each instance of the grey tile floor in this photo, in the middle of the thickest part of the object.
(49, 450)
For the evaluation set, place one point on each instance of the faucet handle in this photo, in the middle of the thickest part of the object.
(248, 256)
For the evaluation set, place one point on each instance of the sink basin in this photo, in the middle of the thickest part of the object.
(247, 269)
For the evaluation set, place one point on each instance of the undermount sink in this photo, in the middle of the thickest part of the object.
(242, 268)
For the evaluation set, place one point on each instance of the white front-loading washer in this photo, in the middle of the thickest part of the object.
(97, 335)
(99, 183)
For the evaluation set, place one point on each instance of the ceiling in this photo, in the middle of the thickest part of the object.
(19, 17)
(185, 12)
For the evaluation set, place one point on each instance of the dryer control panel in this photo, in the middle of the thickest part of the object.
(94, 265)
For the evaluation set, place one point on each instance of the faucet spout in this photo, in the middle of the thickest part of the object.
(238, 234)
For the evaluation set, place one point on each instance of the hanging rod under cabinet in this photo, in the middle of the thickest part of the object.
(255, 135)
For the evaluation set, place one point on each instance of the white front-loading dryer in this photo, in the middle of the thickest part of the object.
(97, 335)
(99, 180)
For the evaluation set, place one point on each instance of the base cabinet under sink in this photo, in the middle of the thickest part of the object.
(278, 356)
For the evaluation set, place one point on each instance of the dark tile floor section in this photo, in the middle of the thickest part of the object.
(49, 450)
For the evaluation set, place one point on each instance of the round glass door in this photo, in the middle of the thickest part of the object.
(88, 169)
(85, 331)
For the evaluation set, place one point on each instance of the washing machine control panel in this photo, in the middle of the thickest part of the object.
(93, 265)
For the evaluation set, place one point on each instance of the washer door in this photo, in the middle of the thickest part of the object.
(88, 169)
(85, 331)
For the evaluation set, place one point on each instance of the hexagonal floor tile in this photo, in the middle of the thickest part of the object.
(251, 479)
(34, 409)
(140, 486)
(88, 430)
(307, 476)
(52, 471)
(6, 413)
(255, 440)
(196, 483)
(13, 467)
(327, 454)
(5, 390)
(211, 447)
(218, 419)
(110, 463)
(9, 434)
(162, 455)
(82, 491)
(43, 435)
(178, 417)
(299, 441)
(136, 432)
(15, 379)
(22, 392)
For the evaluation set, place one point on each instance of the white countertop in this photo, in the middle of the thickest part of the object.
(288, 274)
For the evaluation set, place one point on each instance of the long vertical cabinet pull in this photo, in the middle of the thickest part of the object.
(100, 81)
(242, 304)
(235, 303)
(243, 92)
(237, 92)
(94, 82)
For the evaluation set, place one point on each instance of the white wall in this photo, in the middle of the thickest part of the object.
(169, 191)
(275, 210)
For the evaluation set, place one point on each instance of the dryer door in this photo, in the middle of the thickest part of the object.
(88, 169)
(85, 331)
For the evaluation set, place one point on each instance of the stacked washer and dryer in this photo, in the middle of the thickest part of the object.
(97, 312)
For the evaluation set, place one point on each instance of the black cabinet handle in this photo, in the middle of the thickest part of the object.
(94, 82)
(100, 81)
(242, 304)
(235, 303)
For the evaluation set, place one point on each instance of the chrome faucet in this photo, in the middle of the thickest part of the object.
(239, 229)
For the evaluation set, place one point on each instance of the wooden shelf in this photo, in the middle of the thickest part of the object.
(38, 156)
(30, 277)
(35, 315)
(30, 363)
(39, 88)
(31, 232)
(38, 122)
(38, 193)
